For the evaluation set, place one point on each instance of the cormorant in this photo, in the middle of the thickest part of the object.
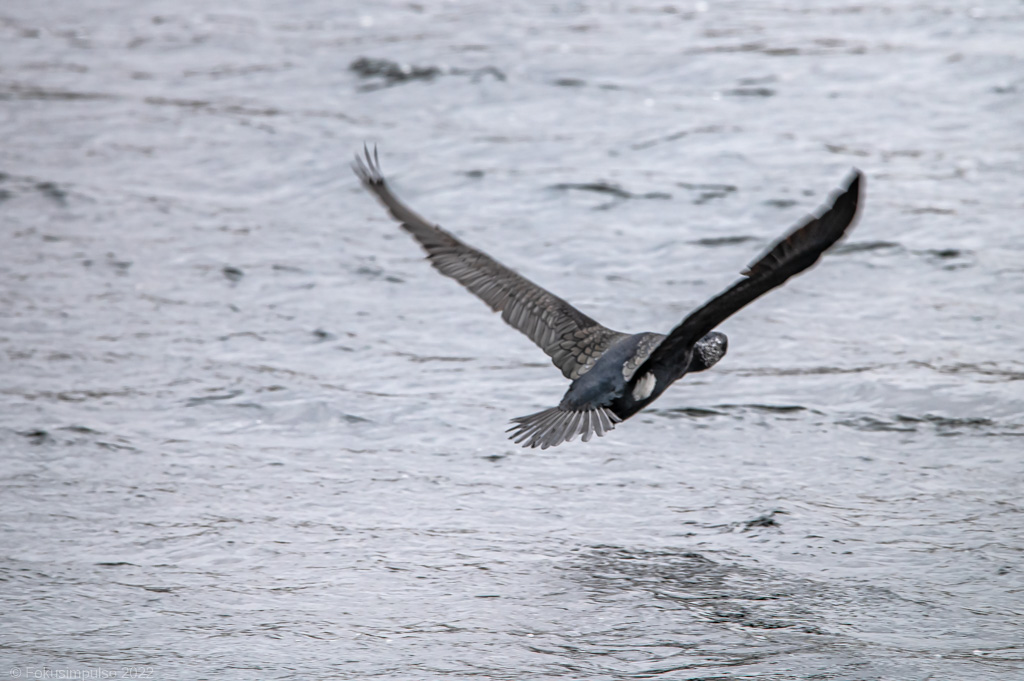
(614, 375)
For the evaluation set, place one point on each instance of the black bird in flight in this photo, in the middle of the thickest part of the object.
(614, 375)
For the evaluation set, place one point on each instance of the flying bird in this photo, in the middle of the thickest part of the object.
(614, 375)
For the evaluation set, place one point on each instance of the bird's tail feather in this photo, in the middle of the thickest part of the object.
(556, 425)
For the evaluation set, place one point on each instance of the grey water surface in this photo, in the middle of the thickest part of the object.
(248, 433)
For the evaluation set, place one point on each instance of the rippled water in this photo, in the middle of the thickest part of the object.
(248, 433)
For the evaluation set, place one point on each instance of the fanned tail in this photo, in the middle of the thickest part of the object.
(556, 425)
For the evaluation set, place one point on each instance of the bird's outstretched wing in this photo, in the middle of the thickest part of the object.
(573, 340)
(797, 251)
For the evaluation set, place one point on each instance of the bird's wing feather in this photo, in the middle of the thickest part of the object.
(797, 251)
(573, 340)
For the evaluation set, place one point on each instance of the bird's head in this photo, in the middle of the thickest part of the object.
(708, 351)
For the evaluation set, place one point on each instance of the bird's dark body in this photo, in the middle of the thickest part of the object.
(606, 382)
(702, 356)
(614, 375)
(607, 379)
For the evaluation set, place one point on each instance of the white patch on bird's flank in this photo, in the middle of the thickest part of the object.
(644, 387)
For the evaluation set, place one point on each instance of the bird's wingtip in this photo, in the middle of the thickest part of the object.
(817, 233)
(854, 179)
(851, 185)
(367, 166)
